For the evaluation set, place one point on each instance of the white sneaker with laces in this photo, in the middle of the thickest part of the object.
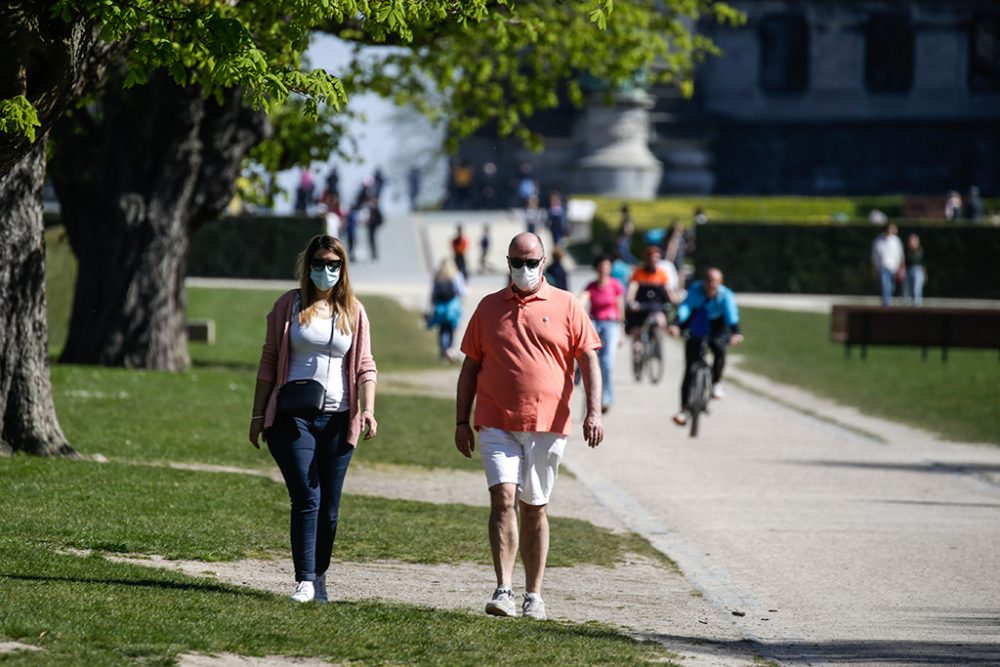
(502, 603)
(717, 391)
(681, 418)
(304, 591)
(533, 607)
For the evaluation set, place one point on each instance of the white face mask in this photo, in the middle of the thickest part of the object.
(526, 279)
(324, 278)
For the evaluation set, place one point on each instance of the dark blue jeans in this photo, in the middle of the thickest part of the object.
(313, 456)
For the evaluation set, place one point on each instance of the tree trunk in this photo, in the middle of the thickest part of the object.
(29, 417)
(136, 176)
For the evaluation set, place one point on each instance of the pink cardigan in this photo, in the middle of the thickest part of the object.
(277, 347)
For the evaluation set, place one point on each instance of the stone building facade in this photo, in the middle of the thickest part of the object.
(845, 97)
(827, 97)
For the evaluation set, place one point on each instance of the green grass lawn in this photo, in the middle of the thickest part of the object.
(400, 342)
(89, 611)
(209, 516)
(204, 415)
(957, 399)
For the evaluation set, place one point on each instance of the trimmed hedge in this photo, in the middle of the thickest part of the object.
(963, 261)
(251, 246)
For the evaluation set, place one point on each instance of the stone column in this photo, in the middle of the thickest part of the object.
(614, 147)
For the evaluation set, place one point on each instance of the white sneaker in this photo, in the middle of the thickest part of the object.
(502, 603)
(533, 607)
(304, 591)
(717, 391)
(681, 418)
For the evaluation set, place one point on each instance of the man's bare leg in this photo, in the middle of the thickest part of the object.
(534, 544)
(503, 532)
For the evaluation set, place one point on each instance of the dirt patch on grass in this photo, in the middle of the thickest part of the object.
(11, 647)
(233, 660)
(640, 596)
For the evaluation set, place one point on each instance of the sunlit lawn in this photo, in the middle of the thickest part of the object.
(957, 399)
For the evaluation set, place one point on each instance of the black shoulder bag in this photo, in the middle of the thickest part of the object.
(305, 398)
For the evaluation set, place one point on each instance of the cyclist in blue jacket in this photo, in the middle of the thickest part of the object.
(709, 314)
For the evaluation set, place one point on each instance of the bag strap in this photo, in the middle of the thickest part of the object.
(329, 345)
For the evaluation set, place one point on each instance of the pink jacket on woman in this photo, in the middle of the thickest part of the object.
(273, 367)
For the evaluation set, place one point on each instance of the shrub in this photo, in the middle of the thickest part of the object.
(251, 246)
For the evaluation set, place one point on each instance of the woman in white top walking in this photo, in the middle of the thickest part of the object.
(318, 332)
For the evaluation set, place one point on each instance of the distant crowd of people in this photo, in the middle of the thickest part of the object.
(344, 222)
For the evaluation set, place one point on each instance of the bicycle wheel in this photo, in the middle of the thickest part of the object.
(637, 362)
(699, 393)
(654, 355)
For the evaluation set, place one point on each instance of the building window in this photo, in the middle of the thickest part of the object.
(889, 54)
(984, 55)
(784, 53)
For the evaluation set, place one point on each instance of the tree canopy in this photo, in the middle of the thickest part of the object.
(471, 62)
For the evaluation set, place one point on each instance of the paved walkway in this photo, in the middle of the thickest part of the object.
(827, 536)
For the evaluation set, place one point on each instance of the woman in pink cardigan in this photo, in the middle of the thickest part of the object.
(317, 332)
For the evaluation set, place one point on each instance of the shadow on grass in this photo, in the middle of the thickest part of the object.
(873, 652)
(144, 583)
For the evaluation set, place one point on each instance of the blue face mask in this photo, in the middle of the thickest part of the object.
(324, 278)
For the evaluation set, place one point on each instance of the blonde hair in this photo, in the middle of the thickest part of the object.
(447, 270)
(341, 299)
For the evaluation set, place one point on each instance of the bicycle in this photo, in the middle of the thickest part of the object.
(699, 393)
(649, 355)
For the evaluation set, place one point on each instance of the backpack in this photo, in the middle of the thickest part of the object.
(443, 292)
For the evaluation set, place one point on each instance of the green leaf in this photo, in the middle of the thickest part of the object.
(19, 117)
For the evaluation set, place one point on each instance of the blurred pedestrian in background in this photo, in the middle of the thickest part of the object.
(484, 249)
(604, 299)
(973, 208)
(304, 191)
(887, 261)
(916, 274)
(953, 206)
(556, 218)
(445, 312)
(555, 271)
(459, 245)
(532, 214)
(623, 241)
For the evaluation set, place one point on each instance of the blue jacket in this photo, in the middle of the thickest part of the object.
(697, 312)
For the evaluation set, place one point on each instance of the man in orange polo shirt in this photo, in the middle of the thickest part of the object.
(519, 348)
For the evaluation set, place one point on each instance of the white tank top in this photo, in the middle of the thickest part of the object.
(313, 352)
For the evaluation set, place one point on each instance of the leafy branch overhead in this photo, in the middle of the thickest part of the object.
(472, 62)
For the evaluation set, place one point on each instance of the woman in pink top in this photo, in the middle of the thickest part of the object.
(605, 298)
(317, 333)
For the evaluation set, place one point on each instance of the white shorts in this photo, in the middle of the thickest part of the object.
(530, 460)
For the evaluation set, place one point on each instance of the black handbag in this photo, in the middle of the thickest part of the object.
(305, 398)
(301, 398)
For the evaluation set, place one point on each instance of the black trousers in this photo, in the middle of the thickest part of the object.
(694, 351)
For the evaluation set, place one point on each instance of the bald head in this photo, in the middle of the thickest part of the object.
(526, 245)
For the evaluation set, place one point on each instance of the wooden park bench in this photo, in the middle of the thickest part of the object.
(923, 207)
(910, 326)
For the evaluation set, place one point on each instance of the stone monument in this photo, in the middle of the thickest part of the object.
(615, 159)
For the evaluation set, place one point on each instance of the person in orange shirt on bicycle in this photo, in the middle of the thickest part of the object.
(647, 295)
